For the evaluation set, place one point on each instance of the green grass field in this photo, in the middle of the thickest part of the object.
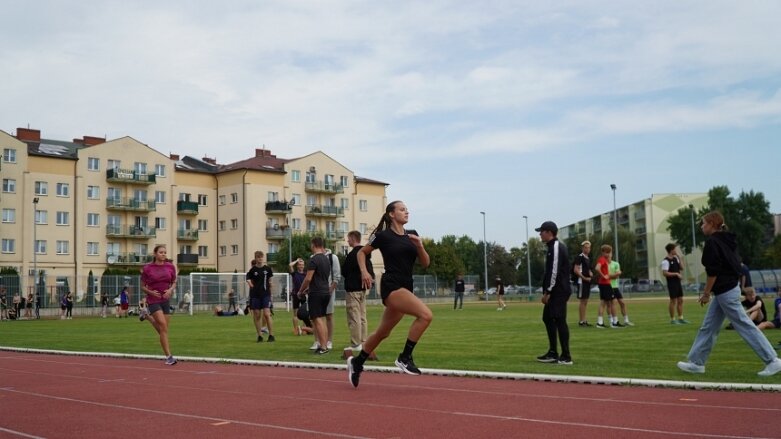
(478, 338)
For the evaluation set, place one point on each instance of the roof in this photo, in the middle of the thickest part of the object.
(54, 148)
(266, 164)
(369, 181)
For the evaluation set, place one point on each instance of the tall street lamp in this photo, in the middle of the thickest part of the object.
(615, 223)
(694, 243)
(528, 258)
(35, 245)
(485, 255)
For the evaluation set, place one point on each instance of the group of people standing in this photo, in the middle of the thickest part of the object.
(20, 307)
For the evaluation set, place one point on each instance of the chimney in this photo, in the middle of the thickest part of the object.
(174, 157)
(28, 135)
(263, 152)
(210, 161)
(90, 140)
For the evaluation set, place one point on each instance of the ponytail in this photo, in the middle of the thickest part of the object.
(385, 220)
(716, 219)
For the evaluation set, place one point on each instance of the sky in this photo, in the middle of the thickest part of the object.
(512, 108)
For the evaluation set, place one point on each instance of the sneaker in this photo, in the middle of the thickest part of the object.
(565, 361)
(321, 351)
(260, 339)
(353, 372)
(407, 366)
(674, 322)
(329, 345)
(628, 323)
(264, 330)
(357, 347)
(600, 326)
(618, 325)
(688, 366)
(548, 357)
(170, 361)
(142, 315)
(772, 368)
(315, 346)
(500, 309)
(683, 322)
(271, 338)
(584, 323)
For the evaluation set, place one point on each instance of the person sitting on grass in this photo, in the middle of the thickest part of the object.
(754, 306)
(776, 322)
(218, 311)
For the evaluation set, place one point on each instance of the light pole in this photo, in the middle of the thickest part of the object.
(35, 245)
(615, 223)
(694, 245)
(528, 258)
(485, 255)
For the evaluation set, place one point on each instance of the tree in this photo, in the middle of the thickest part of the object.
(536, 250)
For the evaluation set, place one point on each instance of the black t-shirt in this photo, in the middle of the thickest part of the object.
(674, 266)
(584, 262)
(351, 272)
(398, 253)
(261, 281)
(319, 283)
(746, 305)
(459, 285)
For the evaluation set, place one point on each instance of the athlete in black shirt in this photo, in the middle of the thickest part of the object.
(400, 248)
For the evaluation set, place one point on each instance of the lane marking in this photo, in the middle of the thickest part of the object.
(217, 424)
(19, 433)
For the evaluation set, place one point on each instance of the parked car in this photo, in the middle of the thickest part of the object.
(694, 287)
(491, 291)
(511, 289)
(643, 286)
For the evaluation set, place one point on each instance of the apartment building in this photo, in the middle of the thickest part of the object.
(648, 219)
(74, 207)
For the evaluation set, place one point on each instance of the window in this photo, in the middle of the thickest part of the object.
(296, 223)
(295, 176)
(160, 170)
(221, 225)
(185, 224)
(63, 247)
(63, 218)
(42, 217)
(92, 249)
(93, 220)
(9, 245)
(295, 200)
(185, 249)
(93, 192)
(273, 196)
(114, 194)
(139, 194)
(203, 251)
(329, 181)
(234, 197)
(343, 226)
(160, 223)
(9, 215)
(142, 249)
(221, 200)
(273, 248)
(234, 249)
(93, 164)
(184, 196)
(311, 176)
(112, 248)
(202, 199)
(40, 246)
(140, 168)
(160, 197)
(311, 200)
(9, 155)
(202, 225)
(311, 226)
(234, 224)
(63, 190)
(362, 228)
(363, 205)
(114, 164)
(41, 188)
(345, 203)
(223, 250)
(9, 185)
(343, 180)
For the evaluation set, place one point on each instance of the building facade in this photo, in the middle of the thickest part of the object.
(70, 208)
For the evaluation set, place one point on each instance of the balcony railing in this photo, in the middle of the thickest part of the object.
(128, 231)
(187, 259)
(187, 234)
(117, 175)
(321, 186)
(640, 231)
(335, 235)
(128, 259)
(130, 204)
(277, 232)
(281, 207)
(187, 207)
(327, 211)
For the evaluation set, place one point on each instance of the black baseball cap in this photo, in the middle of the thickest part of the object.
(549, 226)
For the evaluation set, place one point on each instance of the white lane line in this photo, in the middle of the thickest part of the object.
(19, 433)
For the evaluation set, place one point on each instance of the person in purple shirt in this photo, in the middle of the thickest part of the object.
(158, 281)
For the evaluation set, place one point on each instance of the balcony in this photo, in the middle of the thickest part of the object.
(277, 232)
(128, 259)
(117, 175)
(324, 211)
(189, 259)
(640, 231)
(128, 231)
(335, 235)
(187, 207)
(271, 257)
(187, 234)
(278, 207)
(323, 187)
(130, 204)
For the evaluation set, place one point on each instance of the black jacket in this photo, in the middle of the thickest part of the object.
(557, 269)
(720, 258)
(351, 272)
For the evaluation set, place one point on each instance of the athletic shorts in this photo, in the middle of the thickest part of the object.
(583, 291)
(295, 300)
(165, 307)
(617, 294)
(318, 305)
(124, 306)
(605, 292)
(675, 290)
(389, 284)
(260, 302)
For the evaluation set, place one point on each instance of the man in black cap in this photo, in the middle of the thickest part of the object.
(555, 293)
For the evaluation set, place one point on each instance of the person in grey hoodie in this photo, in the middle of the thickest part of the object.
(722, 265)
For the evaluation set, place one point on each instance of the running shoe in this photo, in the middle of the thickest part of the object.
(566, 361)
(260, 339)
(353, 372)
(329, 345)
(548, 357)
(271, 338)
(683, 322)
(407, 366)
(321, 351)
(143, 314)
(628, 323)
(315, 346)
(772, 368)
(170, 361)
(600, 326)
(688, 366)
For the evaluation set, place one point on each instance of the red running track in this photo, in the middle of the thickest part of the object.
(58, 396)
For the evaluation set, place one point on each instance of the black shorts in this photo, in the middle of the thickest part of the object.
(389, 284)
(318, 305)
(617, 294)
(165, 307)
(296, 301)
(675, 290)
(583, 291)
(605, 292)
(260, 302)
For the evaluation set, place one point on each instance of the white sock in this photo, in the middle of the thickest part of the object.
(599, 320)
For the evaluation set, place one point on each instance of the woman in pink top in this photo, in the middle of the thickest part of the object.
(158, 281)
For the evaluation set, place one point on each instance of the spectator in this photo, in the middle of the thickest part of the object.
(28, 306)
(672, 268)
(555, 294)
(581, 267)
(297, 274)
(124, 301)
(355, 293)
(459, 292)
(500, 294)
(69, 306)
